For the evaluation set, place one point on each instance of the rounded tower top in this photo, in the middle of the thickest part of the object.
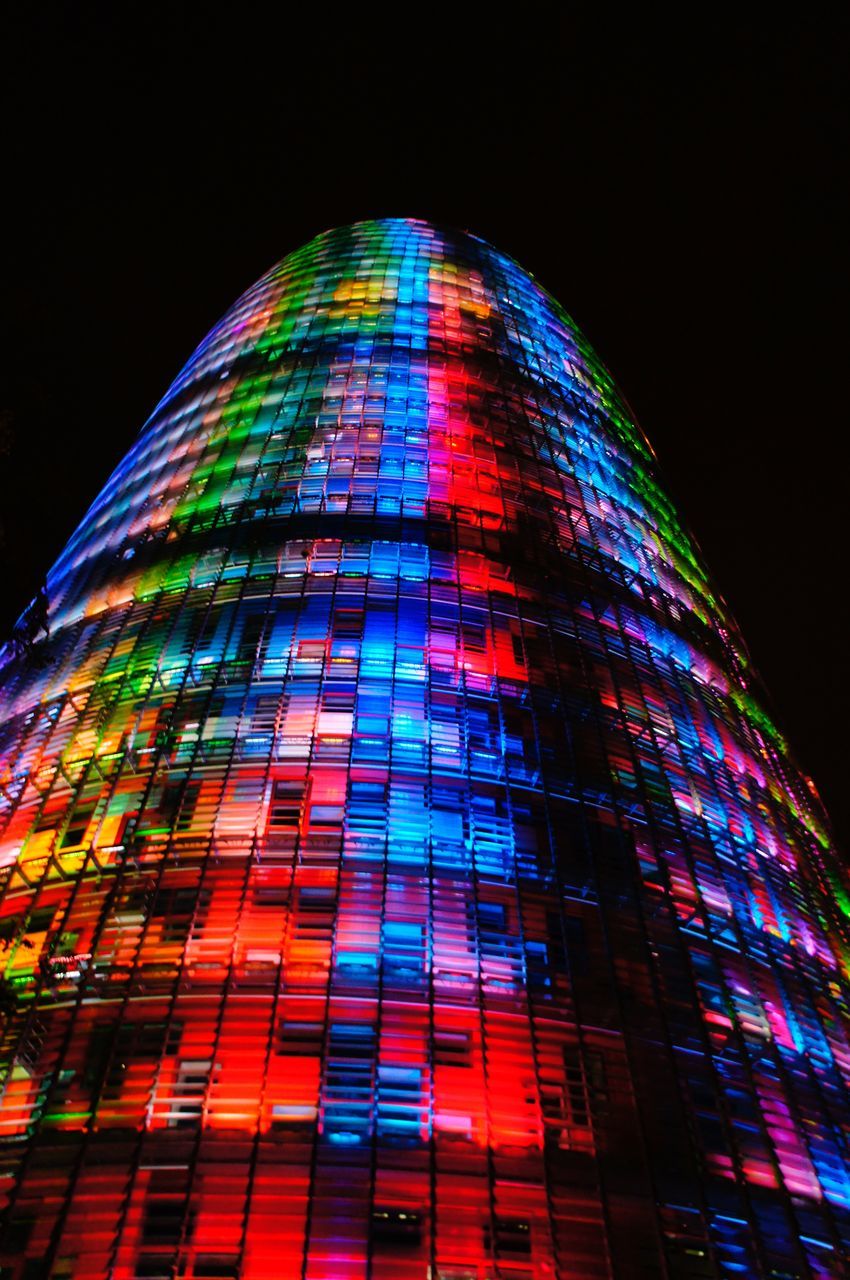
(446, 297)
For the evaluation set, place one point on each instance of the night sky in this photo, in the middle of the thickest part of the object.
(675, 181)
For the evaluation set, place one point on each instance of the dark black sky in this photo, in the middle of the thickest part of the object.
(675, 181)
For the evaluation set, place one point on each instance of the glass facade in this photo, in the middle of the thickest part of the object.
(401, 876)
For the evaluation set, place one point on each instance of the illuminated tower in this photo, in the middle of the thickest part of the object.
(401, 877)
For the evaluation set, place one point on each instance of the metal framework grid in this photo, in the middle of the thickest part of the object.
(401, 878)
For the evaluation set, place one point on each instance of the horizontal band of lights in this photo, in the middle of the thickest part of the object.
(400, 876)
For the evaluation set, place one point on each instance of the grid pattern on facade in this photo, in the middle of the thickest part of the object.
(401, 877)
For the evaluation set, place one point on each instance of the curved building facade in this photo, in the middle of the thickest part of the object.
(401, 877)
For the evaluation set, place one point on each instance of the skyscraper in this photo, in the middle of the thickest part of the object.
(401, 875)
